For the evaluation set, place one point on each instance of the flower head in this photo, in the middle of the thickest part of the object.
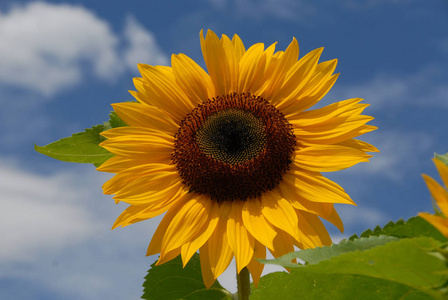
(234, 156)
(440, 195)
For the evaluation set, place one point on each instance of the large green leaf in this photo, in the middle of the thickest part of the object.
(170, 281)
(314, 256)
(79, 148)
(302, 284)
(414, 227)
(83, 147)
(403, 269)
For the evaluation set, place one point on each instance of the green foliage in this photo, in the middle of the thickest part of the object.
(443, 158)
(314, 256)
(414, 227)
(170, 281)
(115, 121)
(404, 268)
(79, 148)
(301, 284)
(82, 147)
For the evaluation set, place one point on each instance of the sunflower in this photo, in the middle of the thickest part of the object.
(233, 157)
(440, 195)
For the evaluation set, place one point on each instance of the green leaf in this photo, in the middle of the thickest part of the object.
(170, 281)
(318, 286)
(79, 148)
(314, 256)
(115, 120)
(403, 269)
(414, 227)
(83, 147)
(443, 158)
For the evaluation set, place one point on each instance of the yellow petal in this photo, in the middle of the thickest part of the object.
(251, 69)
(333, 218)
(313, 228)
(256, 268)
(256, 223)
(190, 220)
(284, 63)
(219, 251)
(315, 187)
(190, 248)
(438, 222)
(239, 47)
(217, 63)
(195, 82)
(311, 97)
(137, 133)
(279, 212)
(123, 178)
(443, 170)
(289, 192)
(151, 188)
(135, 143)
(206, 269)
(323, 210)
(359, 145)
(233, 60)
(165, 257)
(117, 164)
(137, 213)
(161, 90)
(335, 130)
(140, 115)
(328, 158)
(297, 78)
(240, 241)
(316, 116)
(438, 193)
(283, 244)
(155, 246)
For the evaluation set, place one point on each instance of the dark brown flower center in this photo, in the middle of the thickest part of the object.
(233, 148)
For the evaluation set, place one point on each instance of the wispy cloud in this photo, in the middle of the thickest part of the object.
(47, 47)
(402, 153)
(362, 217)
(35, 204)
(423, 88)
(56, 237)
(284, 9)
(143, 47)
(367, 4)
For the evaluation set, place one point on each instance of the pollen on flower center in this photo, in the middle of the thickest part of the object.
(233, 148)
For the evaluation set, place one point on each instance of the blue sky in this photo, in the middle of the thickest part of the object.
(62, 63)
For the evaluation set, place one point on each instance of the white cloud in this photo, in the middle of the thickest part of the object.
(286, 9)
(362, 217)
(401, 153)
(422, 88)
(47, 47)
(56, 237)
(32, 205)
(143, 47)
(43, 45)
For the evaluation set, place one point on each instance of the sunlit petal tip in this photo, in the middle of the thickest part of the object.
(142, 68)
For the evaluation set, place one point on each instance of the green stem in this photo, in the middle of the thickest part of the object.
(243, 281)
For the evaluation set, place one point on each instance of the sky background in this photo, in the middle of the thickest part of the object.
(62, 63)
